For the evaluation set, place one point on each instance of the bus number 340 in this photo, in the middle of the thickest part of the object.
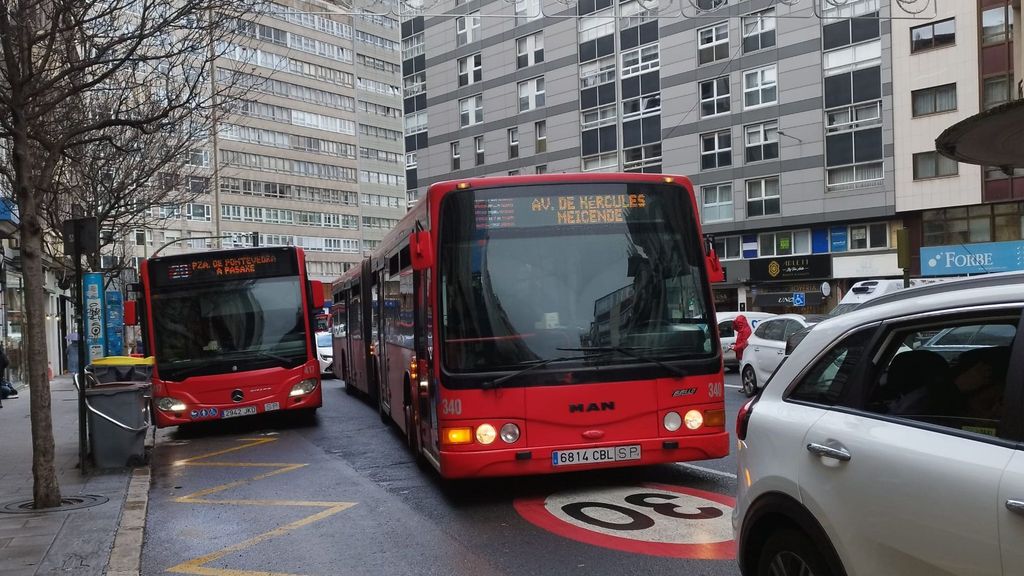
(451, 407)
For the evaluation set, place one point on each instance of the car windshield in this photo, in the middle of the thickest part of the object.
(531, 270)
(323, 340)
(844, 308)
(210, 329)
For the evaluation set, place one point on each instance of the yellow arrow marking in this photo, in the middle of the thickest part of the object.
(198, 565)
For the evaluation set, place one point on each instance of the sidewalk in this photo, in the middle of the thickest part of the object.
(69, 542)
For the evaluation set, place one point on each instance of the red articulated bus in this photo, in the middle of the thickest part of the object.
(232, 332)
(539, 324)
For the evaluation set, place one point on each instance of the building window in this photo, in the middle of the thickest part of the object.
(601, 162)
(933, 100)
(717, 201)
(729, 247)
(641, 60)
(478, 142)
(714, 96)
(467, 28)
(933, 35)
(513, 172)
(760, 87)
(531, 94)
(996, 90)
(715, 150)
(845, 32)
(982, 223)
(933, 165)
(784, 243)
(540, 131)
(994, 28)
(713, 43)
(456, 157)
(763, 197)
(853, 146)
(597, 83)
(513, 142)
(471, 110)
(642, 159)
(869, 236)
(759, 31)
(530, 50)
(415, 122)
(470, 69)
(541, 169)
(706, 5)
(762, 141)
(527, 10)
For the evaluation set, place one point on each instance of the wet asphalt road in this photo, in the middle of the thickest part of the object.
(342, 495)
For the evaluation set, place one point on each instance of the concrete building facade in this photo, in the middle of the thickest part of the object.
(780, 113)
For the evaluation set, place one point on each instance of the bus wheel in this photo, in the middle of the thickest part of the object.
(412, 430)
(307, 416)
(382, 409)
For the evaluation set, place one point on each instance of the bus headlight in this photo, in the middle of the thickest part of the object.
(510, 433)
(304, 387)
(694, 419)
(170, 405)
(673, 421)
(486, 434)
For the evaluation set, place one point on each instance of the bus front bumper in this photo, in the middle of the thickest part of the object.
(530, 460)
(195, 412)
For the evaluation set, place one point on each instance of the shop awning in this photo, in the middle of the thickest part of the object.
(990, 138)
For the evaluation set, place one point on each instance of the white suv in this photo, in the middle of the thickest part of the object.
(868, 453)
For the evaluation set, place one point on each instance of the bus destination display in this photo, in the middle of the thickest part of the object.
(223, 266)
(535, 211)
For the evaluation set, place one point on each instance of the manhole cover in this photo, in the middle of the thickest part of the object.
(66, 504)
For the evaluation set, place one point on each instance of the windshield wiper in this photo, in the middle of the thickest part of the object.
(629, 352)
(491, 384)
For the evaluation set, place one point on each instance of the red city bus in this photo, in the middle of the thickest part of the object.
(539, 324)
(232, 333)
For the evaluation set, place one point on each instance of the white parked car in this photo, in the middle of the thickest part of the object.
(868, 453)
(767, 347)
(727, 334)
(325, 353)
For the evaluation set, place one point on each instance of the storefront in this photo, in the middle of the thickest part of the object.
(731, 295)
(792, 284)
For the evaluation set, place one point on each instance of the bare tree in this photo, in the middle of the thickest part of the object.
(82, 83)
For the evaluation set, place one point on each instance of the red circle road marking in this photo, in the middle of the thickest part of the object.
(533, 509)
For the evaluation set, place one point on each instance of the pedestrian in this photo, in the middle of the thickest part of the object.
(6, 389)
(742, 328)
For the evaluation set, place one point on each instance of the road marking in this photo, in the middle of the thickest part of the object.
(729, 475)
(734, 386)
(198, 565)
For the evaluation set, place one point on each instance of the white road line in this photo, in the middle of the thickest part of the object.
(734, 387)
(729, 475)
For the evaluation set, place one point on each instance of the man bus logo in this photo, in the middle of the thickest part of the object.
(592, 407)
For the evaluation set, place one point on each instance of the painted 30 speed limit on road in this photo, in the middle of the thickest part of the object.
(653, 519)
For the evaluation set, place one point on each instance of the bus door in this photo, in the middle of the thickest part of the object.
(378, 375)
(426, 397)
(390, 359)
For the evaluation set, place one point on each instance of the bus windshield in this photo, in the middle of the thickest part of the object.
(228, 326)
(530, 270)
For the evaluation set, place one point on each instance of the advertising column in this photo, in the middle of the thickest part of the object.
(92, 295)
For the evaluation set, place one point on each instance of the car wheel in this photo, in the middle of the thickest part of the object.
(790, 552)
(749, 379)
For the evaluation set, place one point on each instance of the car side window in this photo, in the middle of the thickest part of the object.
(792, 327)
(828, 378)
(959, 386)
(763, 328)
(726, 330)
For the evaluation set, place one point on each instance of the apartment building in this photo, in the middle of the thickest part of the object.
(313, 156)
(780, 113)
(963, 219)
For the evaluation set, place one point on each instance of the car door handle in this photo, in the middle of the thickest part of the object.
(1016, 506)
(829, 452)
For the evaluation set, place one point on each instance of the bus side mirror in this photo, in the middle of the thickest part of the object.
(318, 293)
(131, 314)
(715, 271)
(422, 250)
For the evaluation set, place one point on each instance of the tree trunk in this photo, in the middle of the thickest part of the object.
(45, 490)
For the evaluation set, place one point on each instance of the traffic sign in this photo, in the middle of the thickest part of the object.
(652, 519)
(799, 299)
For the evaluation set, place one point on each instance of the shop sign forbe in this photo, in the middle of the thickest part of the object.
(92, 293)
(972, 258)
